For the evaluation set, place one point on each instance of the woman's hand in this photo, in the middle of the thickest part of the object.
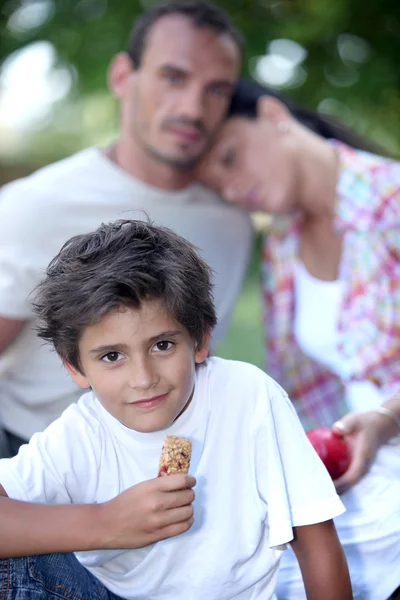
(365, 432)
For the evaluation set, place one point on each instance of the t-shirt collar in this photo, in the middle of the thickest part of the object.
(131, 436)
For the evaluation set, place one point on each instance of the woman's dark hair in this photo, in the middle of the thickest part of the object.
(248, 92)
(122, 264)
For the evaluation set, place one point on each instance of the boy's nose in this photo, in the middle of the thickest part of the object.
(143, 376)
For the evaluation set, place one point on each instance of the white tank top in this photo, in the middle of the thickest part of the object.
(317, 306)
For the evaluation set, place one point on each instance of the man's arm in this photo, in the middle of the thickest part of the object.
(322, 562)
(9, 329)
(139, 516)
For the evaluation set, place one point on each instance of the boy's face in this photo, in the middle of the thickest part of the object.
(140, 364)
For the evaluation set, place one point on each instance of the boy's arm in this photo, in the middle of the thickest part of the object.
(28, 528)
(141, 515)
(322, 562)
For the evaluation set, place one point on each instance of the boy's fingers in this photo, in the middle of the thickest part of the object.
(181, 481)
(178, 498)
(176, 515)
(174, 529)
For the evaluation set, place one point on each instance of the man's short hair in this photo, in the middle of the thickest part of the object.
(201, 14)
(122, 264)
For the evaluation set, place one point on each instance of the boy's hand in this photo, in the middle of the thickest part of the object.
(148, 512)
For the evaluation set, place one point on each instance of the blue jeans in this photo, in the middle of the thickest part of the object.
(49, 577)
(9, 443)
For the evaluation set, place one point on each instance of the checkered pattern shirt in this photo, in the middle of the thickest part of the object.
(368, 215)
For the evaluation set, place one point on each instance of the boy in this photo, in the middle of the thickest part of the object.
(129, 310)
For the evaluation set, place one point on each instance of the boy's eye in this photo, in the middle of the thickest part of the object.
(163, 346)
(112, 357)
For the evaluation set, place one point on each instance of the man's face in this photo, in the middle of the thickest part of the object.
(175, 101)
(140, 364)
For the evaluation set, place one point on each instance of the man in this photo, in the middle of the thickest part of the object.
(174, 86)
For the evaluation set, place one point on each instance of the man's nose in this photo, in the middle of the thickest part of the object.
(192, 104)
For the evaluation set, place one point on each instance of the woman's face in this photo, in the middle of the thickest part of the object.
(250, 165)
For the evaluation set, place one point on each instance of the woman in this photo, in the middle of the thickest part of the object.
(331, 288)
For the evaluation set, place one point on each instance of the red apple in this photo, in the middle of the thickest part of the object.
(332, 449)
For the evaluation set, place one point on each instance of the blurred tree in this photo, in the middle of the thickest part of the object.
(342, 56)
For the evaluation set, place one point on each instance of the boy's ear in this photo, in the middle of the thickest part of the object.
(202, 351)
(272, 109)
(79, 378)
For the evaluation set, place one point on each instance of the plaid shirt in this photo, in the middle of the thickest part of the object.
(368, 215)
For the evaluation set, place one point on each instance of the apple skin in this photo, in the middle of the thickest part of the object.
(332, 449)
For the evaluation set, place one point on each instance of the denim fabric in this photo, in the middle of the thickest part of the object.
(4, 449)
(49, 577)
(9, 443)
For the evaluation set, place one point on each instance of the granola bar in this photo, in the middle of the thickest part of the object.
(175, 456)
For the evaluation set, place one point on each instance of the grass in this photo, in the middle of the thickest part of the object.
(244, 339)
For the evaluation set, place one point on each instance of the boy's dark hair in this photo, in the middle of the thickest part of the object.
(122, 264)
(201, 14)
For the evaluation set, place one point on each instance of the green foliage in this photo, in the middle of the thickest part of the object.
(244, 339)
(362, 89)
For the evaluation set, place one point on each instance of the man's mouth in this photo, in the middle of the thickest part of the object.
(186, 135)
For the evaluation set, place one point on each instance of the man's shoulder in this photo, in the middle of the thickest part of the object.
(33, 204)
(51, 178)
(211, 198)
(206, 192)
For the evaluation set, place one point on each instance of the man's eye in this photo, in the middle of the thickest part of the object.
(163, 346)
(221, 92)
(112, 357)
(173, 78)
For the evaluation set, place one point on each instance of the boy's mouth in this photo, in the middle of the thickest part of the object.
(149, 402)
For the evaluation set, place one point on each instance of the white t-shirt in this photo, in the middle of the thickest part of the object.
(316, 331)
(257, 477)
(41, 212)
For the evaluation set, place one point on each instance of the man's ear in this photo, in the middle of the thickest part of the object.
(272, 109)
(80, 379)
(118, 74)
(202, 351)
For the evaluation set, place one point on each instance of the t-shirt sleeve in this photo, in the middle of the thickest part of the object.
(291, 478)
(58, 466)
